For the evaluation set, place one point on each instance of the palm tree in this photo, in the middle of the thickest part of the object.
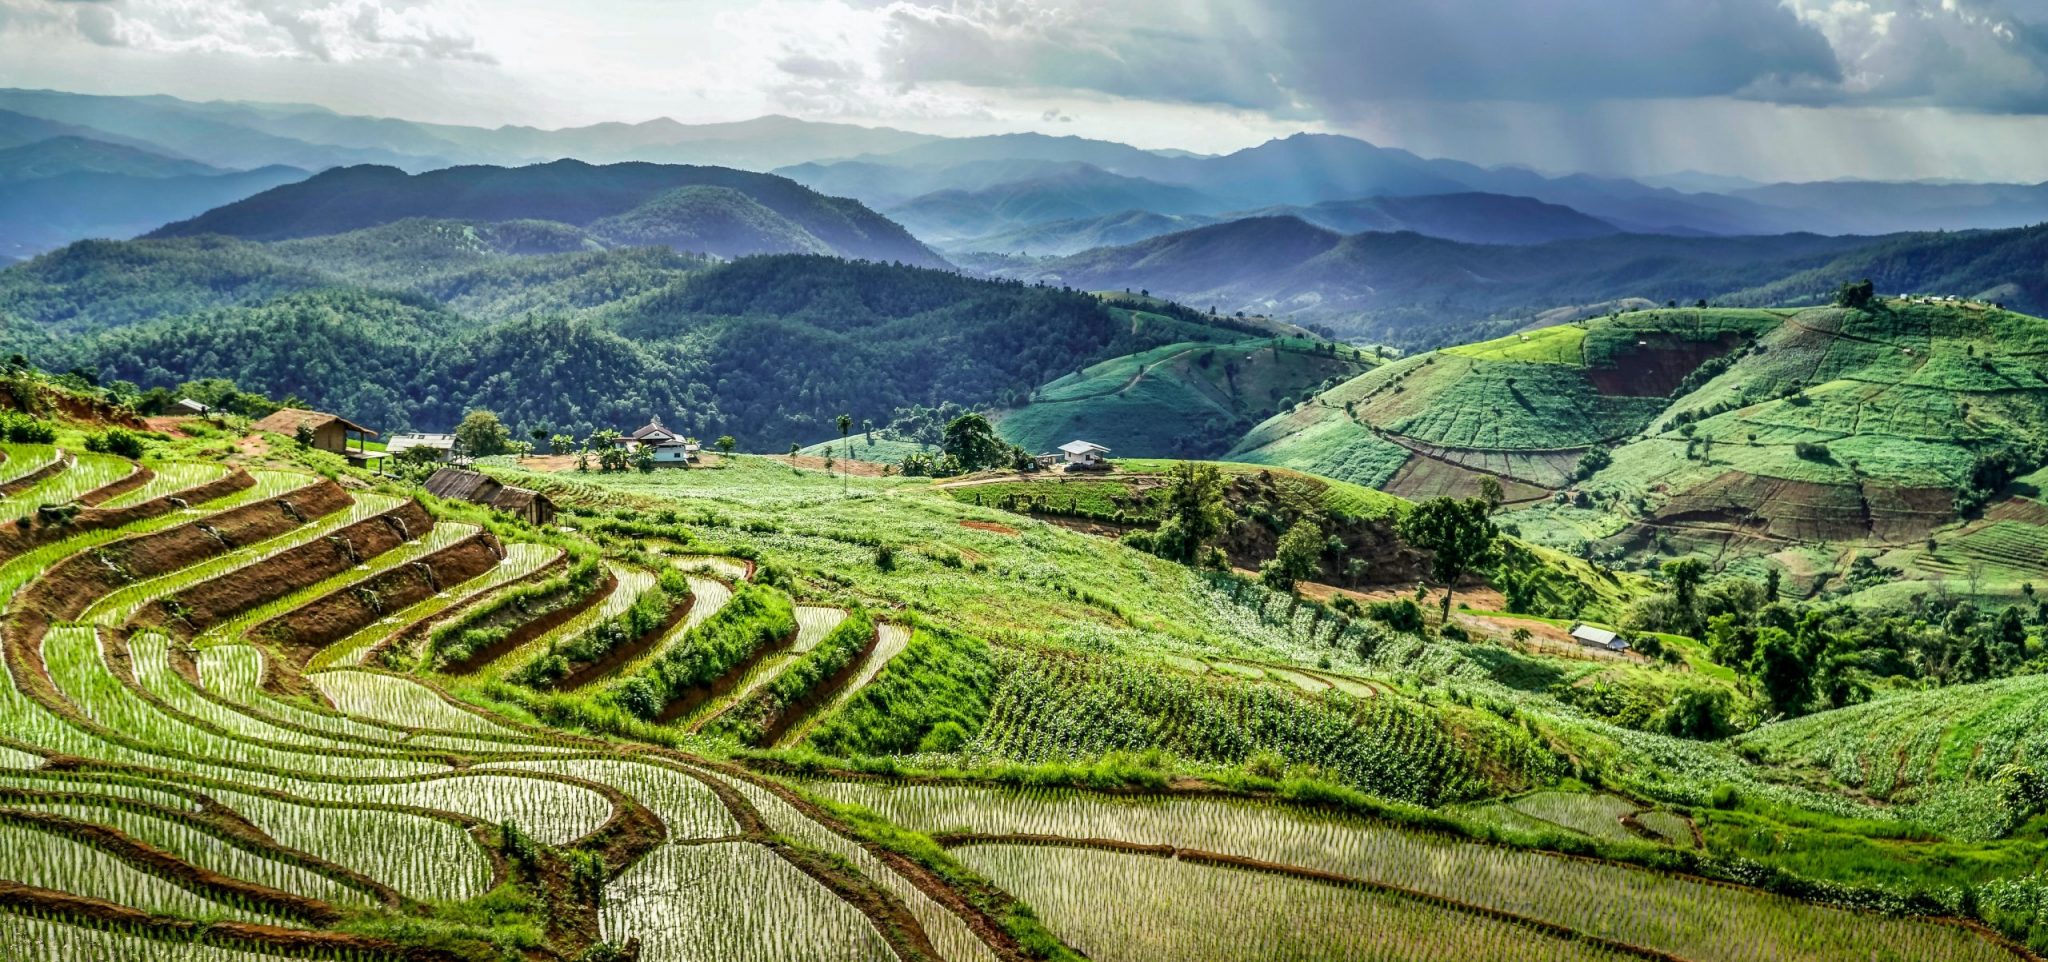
(845, 422)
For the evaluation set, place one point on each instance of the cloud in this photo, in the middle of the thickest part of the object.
(1120, 49)
(333, 31)
(1968, 54)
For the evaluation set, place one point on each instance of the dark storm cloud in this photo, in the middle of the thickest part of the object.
(1341, 52)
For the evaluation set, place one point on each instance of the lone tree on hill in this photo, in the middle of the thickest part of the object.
(1297, 557)
(1858, 296)
(1195, 511)
(481, 435)
(1457, 535)
(972, 441)
(725, 443)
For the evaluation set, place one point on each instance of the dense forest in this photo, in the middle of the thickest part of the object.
(411, 324)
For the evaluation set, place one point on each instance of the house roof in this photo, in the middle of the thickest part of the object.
(1595, 636)
(1083, 447)
(191, 405)
(402, 442)
(479, 488)
(653, 430)
(287, 421)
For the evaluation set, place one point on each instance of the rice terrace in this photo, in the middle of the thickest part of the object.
(1037, 481)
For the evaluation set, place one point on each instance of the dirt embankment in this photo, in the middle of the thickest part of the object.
(633, 648)
(698, 696)
(36, 477)
(821, 693)
(303, 631)
(210, 602)
(41, 528)
(71, 585)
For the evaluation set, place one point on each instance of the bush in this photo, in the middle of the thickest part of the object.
(750, 720)
(757, 616)
(24, 429)
(1812, 451)
(116, 441)
(1403, 615)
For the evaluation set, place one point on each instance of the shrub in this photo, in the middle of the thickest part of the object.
(1812, 451)
(25, 429)
(1402, 615)
(757, 616)
(116, 441)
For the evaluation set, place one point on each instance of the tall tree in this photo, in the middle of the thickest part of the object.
(1196, 512)
(1458, 536)
(1296, 558)
(972, 440)
(481, 435)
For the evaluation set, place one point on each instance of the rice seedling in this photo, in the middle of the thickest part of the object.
(951, 936)
(521, 559)
(890, 640)
(1692, 919)
(1596, 815)
(19, 570)
(48, 860)
(149, 660)
(204, 850)
(813, 624)
(11, 758)
(398, 701)
(423, 857)
(1669, 826)
(109, 786)
(171, 478)
(724, 569)
(734, 901)
(26, 459)
(118, 606)
(87, 472)
(233, 629)
(235, 673)
(26, 937)
(684, 804)
(1118, 907)
(76, 663)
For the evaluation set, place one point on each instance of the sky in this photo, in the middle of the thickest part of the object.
(1767, 89)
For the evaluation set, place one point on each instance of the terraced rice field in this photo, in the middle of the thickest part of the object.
(211, 784)
(87, 472)
(520, 560)
(632, 582)
(170, 478)
(1687, 918)
(890, 640)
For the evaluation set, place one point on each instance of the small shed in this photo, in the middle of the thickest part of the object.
(1083, 454)
(186, 405)
(476, 487)
(1601, 638)
(331, 432)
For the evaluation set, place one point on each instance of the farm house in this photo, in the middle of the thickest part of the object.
(331, 432)
(442, 444)
(1084, 455)
(1601, 638)
(668, 446)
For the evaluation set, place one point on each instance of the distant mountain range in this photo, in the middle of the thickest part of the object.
(1412, 290)
(714, 210)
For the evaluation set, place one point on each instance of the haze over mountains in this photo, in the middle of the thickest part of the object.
(1329, 231)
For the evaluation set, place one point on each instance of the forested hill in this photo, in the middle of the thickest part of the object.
(412, 324)
(712, 210)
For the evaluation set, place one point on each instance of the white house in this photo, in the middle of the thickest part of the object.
(668, 446)
(441, 444)
(1592, 637)
(1083, 454)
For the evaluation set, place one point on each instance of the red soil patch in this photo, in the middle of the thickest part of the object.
(992, 527)
(1659, 366)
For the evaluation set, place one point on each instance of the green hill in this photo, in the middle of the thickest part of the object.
(1824, 442)
(720, 211)
(1184, 399)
